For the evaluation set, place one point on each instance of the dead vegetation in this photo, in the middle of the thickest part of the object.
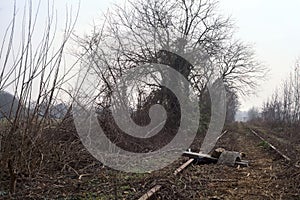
(42, 158)
(68, 171)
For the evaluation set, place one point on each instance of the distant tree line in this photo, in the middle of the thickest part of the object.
(253, 114)
(283, 108)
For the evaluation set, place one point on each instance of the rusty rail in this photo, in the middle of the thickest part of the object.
(274, 148)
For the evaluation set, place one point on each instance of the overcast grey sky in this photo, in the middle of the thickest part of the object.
(271, 26)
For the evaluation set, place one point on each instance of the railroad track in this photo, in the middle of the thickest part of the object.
(287, 158)
(158, 187)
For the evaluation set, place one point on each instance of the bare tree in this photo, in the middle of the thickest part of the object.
(239, 68)
(283, 108)
(33, 71)
(253, 114)
(140, 31)
(232, 103)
